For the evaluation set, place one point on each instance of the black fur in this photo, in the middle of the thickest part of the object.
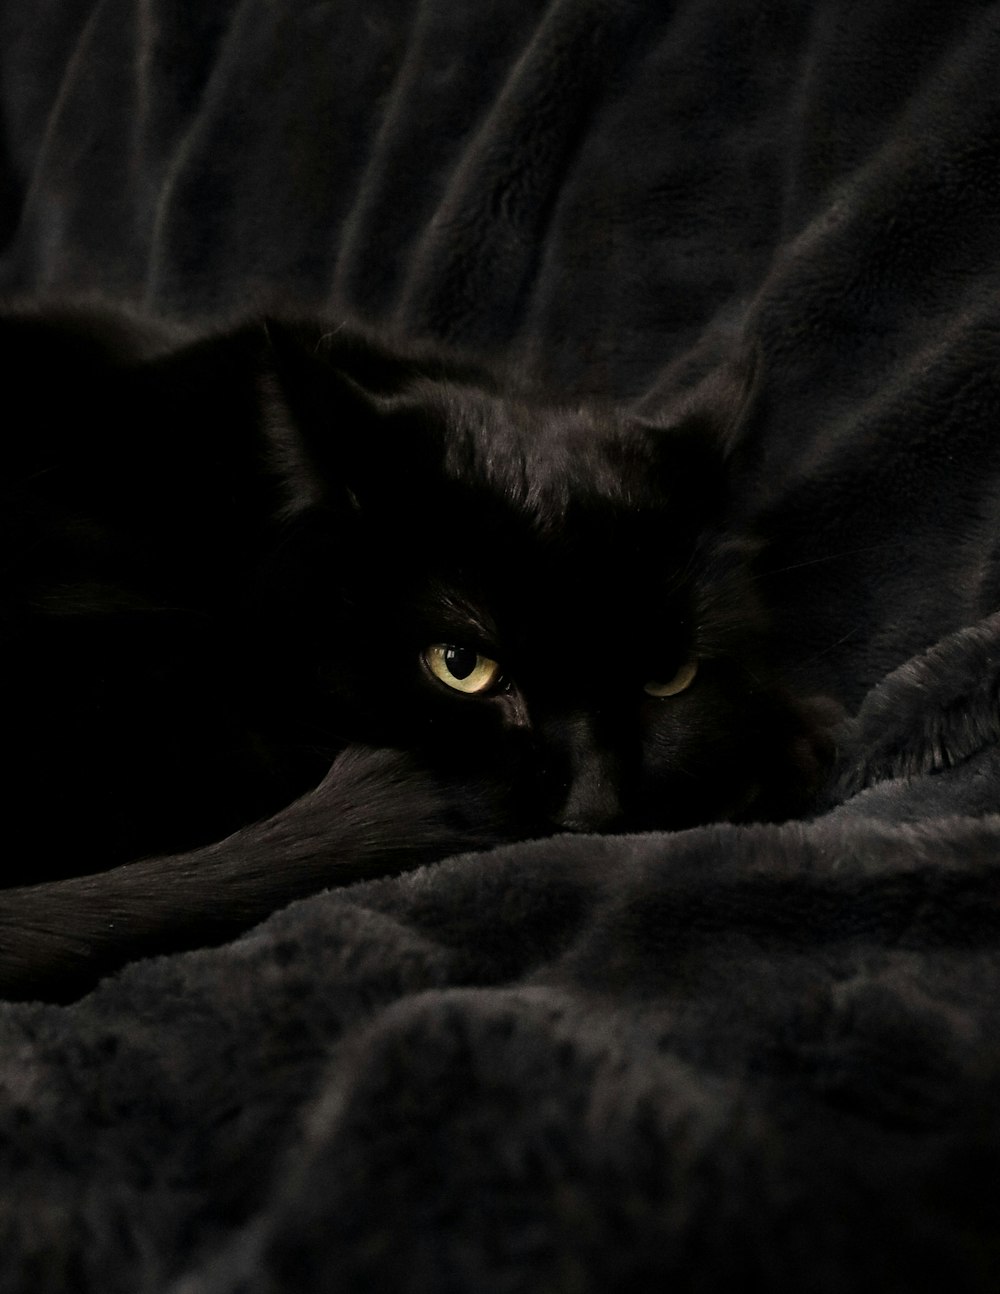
(223, 559)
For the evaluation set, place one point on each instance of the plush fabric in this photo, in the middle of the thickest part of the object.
(737, 1058)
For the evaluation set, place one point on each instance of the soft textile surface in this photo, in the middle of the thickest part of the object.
(764, 1057)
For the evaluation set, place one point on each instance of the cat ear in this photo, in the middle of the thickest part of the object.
(328, 398)
(717, 410)
(730, 397)
(695, 435)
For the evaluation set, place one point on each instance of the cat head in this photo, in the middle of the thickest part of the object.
(545, 593)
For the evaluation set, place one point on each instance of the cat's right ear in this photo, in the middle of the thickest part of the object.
(327, 399)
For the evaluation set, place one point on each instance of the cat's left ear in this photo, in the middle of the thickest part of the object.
(717, 411)
(712, 415)
(691, 438)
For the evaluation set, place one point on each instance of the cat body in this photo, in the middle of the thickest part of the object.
(365, 599)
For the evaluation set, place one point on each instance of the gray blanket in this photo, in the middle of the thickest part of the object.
(736, 1058)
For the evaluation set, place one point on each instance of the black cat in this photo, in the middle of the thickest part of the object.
(282, 561)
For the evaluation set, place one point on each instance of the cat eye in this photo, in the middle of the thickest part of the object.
(461, 668)
(680, 682)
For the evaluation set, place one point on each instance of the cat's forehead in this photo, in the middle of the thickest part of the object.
(545, 521)
(557, 521)
(540, 458)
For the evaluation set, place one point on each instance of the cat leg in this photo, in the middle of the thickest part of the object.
(375, 813)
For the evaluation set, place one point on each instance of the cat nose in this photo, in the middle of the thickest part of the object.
(592, 798)
(589, 807)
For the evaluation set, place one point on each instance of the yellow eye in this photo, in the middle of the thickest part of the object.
(461, 668)
(679, 683)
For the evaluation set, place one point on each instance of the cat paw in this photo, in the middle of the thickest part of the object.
(396, 805)
(815, 728)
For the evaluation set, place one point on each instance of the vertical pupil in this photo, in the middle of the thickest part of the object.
(460, 661)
